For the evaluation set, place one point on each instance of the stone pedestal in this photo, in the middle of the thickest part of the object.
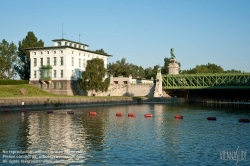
(173, 67)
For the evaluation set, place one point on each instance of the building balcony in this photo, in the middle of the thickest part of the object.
(46, 73)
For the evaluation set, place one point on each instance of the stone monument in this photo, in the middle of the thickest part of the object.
(173, 66)
(158, 84)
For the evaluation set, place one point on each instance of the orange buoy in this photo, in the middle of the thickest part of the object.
(131, 115)
(244, 120)
(50, 111)
(178, 117)
(70, 112)
(148, 115)
(119, 114)
(92, 113)
(211, 118)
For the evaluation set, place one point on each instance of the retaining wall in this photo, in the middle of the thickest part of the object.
(53, 103)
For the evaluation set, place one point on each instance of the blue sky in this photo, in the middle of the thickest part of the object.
(142, 31)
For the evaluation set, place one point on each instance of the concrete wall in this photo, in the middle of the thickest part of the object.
(54, 103)
(69, 87)
(129, 90)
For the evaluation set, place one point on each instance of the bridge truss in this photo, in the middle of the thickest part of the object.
(209, 81)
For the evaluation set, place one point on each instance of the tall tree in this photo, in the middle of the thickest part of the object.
(151, 73)
(8, 58)
(101, 51)
(93, 76)
(120, 68)
(28, 42)
(209, 68)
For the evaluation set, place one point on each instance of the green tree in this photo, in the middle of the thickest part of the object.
(232, 71)
(209, 68)
(93, 76)
(148, 73)
(120, 68)
(101, 51)
(8, 58)
(28, 42)
(151, 73)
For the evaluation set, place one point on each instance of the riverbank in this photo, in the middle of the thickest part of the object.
(70, 102)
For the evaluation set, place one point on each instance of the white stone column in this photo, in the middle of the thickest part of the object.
(158, 84)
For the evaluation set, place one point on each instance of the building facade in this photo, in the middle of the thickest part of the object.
(56, 69)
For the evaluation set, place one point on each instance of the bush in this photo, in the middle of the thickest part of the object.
(13, 82)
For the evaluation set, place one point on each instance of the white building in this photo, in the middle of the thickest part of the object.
(56, 68)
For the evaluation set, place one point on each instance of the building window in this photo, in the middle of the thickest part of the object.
(72, 61)
(60, 85)
(54, 85)
(54, 73)
(66, 43)
(34, 74)
(41, 53)
(72, 52)
(61, 73)
(35, 62)
(48, 61)
(61, 51)
(54, 61)
(59, 43)
(40, 85)
(41, 61)
(79, 62)
(34, 53)
(47, 52)
(61, 61)
(72, 73)
(54, 52)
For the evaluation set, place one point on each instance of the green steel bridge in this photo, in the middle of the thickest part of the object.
(206, 81)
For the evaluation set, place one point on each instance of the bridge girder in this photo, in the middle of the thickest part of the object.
(206, 81)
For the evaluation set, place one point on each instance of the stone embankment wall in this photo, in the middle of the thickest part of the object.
(54, 103)
(129, 90)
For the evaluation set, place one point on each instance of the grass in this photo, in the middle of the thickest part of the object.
(13, 91)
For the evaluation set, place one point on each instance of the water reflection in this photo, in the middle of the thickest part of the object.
(107, 139)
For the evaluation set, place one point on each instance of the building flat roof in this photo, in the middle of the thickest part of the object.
(55, 40)
(56, 47)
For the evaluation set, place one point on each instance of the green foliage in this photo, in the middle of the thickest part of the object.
(13, 82)
(232, 71)
(101, 51)
(151, 73)
(8, 58)
(93, 76)
(46, 67)
(28, 42)
(209, 68)
(122, 68)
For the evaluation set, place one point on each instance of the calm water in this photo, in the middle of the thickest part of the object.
(38, 138)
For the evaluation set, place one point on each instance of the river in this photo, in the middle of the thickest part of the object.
(39, 138)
